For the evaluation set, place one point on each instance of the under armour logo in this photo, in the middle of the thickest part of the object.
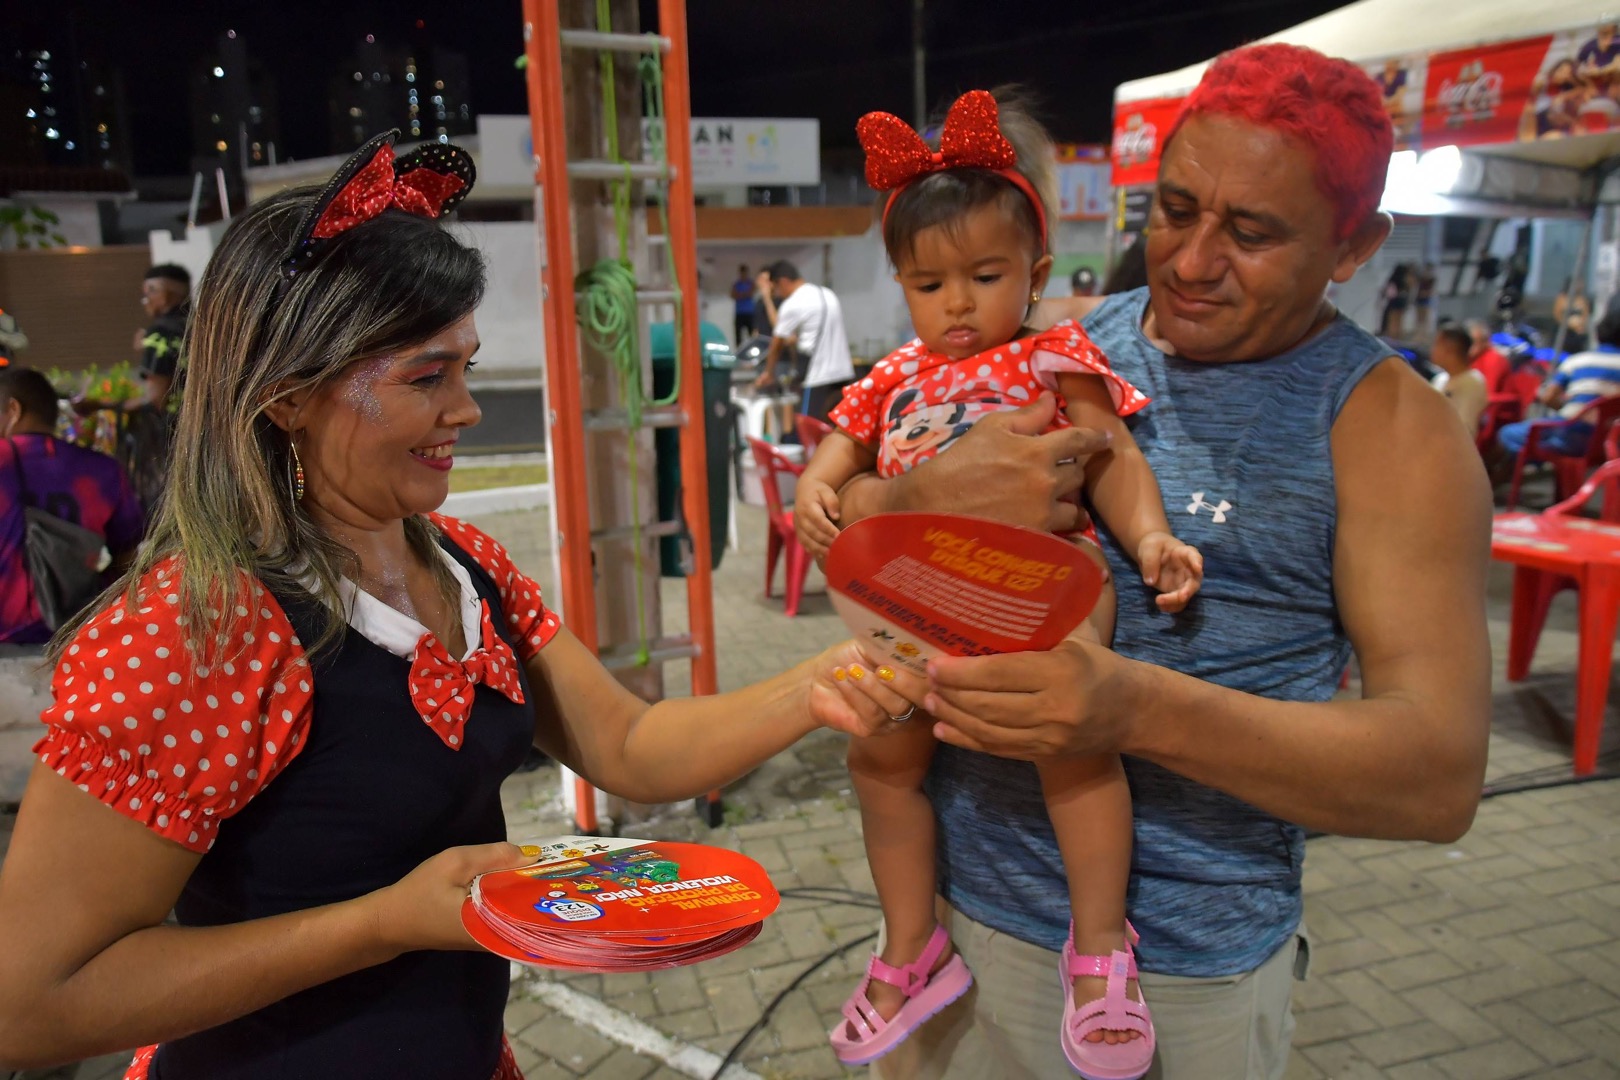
(1217, 510)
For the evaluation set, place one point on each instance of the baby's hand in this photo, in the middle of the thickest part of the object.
(815, 516)
(1174, 568)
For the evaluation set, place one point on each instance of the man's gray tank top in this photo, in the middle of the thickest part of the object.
(1242, 456)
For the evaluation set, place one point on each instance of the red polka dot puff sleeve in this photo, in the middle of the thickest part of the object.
(526, 615)
(141, 724)
(1067, 349)
(860, 414)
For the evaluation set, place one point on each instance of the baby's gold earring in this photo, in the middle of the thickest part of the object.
(1034, 297)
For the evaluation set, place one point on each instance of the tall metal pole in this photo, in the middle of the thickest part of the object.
(919, 64)
(1577, 286)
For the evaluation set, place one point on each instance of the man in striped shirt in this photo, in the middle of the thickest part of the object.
(1583, 378)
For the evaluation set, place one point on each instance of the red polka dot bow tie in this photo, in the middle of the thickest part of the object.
(442, 687)
(971, 138)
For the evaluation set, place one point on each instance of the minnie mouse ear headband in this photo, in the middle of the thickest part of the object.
(971, 139)
(429, 182)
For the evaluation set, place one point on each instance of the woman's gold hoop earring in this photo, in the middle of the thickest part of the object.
(298, 473)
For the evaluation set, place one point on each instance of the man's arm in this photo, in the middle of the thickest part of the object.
(1404, 762)
(766, 298)
(769, 371)
(1035, 472)
(154, 392)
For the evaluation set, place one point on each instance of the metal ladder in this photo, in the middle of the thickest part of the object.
(544, 42)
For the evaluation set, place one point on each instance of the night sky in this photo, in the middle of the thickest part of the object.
(830, 59)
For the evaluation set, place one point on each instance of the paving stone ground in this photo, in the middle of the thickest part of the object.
(1494, 957)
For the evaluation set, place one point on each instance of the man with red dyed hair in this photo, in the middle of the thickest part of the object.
(1340, 507)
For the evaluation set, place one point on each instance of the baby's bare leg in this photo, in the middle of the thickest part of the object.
(898, 823)
(1090, 805)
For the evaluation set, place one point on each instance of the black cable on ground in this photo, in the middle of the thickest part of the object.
(1550, 777)
(765, 1017)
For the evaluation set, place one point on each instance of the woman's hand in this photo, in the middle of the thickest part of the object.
(854, 695)
(422, 910)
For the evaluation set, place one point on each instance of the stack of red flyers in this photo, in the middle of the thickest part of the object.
(614, 904)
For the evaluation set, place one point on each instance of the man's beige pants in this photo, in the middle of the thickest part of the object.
(1006, 1028)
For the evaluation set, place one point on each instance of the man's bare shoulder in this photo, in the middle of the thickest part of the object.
(1397, 435)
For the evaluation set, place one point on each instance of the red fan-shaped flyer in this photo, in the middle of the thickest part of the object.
(913, 586)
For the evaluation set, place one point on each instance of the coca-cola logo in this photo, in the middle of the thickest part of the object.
(1475, 95)
(1136, 142)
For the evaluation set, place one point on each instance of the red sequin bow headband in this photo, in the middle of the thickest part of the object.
(429, 182)
(971, 139)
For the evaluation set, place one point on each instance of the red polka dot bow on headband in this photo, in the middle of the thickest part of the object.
(971, 138)
(429, 182)
(379, 185)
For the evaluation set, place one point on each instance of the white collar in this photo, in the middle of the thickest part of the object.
(398, 633)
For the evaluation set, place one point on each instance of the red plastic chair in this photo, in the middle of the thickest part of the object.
(811, 432)
(1525, 382)
(1569, 470)
(1500, 410)
(1533, 590)
(780, 536)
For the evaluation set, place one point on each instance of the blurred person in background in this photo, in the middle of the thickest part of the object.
(39, 470)
(742, 305)
(1581, 379)
(12, 339)
(1458, 380)
(808, 318)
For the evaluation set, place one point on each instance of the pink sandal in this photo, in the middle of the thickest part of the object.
(1111, 1012)
(925, 995)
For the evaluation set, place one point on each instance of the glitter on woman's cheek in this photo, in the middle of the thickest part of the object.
(360, 387)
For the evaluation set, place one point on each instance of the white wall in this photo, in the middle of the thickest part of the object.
(191, 252)
(79, 219)
(509, 322)
(510, 327)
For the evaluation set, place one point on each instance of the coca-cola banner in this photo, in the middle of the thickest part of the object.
(1140, 128)
(1553, 86)
(1476, 96)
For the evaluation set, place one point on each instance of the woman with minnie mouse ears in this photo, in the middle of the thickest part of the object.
(966, 228)
(290, 721)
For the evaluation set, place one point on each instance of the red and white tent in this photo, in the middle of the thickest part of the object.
(1499, 79)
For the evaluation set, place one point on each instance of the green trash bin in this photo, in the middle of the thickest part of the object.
(675, 552)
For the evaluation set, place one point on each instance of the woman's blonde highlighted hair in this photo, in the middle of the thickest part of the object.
(228, 511)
